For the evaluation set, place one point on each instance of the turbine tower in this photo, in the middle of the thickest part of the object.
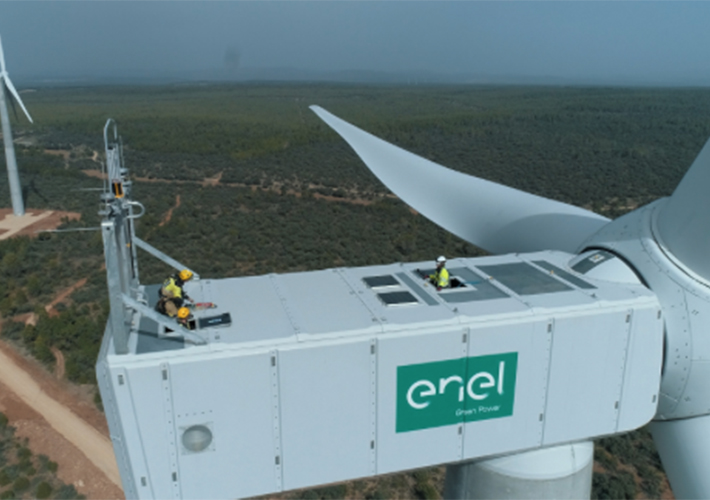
(18, 206)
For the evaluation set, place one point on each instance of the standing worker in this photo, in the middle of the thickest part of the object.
(173, 287)
(440, 279)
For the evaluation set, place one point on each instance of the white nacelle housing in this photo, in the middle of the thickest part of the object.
(333, 375)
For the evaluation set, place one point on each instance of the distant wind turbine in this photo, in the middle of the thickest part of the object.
(18, 207)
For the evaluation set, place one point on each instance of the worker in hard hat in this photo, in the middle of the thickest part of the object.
(167, 307)
(440, 279)
(184, 316)
(173, 287)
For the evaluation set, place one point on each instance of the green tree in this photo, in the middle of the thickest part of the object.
(21, 484)
(44, 490)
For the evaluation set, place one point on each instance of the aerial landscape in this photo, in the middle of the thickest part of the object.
(240, 178)
(296, 199)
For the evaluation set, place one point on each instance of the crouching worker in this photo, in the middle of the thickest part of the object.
(168, 307)
(440, 279)
(173, 287)
(184, 317)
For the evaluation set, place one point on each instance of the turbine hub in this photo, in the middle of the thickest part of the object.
(685, 300)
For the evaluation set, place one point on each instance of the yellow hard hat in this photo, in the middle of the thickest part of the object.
(183, 313)
(185, 274)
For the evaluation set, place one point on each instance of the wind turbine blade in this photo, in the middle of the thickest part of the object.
(683, 222)
(2, 58)
(12, 103)
(492, 216)
(684, 448)
(12, 90)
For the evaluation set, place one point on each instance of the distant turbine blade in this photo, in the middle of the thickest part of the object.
(12, 90)
(683, 222)
(12, 103)
(492, 216)
(2, 58)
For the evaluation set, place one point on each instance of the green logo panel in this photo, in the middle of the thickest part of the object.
(455, 391)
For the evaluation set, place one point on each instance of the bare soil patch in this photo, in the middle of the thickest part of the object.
(95, 173)
(38, 220)
(212, 181)
(27, 318)
(59, 364)
(64, 153)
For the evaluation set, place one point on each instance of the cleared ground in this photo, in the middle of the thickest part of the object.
(61, 422)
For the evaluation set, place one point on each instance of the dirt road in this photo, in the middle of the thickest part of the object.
(57, 423)
(63, 296)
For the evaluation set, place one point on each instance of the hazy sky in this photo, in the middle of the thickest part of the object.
(643, 42)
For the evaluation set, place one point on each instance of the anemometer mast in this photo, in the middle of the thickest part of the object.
(118, 233)
(119, 212)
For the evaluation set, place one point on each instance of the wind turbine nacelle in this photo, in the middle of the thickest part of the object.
(346, 373)
(664, 245)
(685, 298)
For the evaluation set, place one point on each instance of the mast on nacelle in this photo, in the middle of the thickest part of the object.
(119, 211)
